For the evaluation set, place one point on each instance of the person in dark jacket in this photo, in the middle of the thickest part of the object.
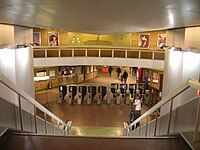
(110, 70)
(125, 76)
(118, 70)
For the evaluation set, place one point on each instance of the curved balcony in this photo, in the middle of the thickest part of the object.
(112, 56)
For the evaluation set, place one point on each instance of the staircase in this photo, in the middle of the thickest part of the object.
(13, 140)
(40, 129)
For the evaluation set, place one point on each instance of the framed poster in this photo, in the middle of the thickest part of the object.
(155, 77)
(161, 41)
(53, 39)
(144, 40)
(37, 38)
(52, 74)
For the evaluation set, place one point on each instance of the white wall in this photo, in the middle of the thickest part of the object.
(7, 34)
(192, 38)
(73, 61)
(179, 67)
(17, 65)
(176, 37)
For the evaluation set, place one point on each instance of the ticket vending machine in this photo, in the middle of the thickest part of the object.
(92, 93)
(62, 92)
(114, 87)
(72, 93)
(132, 90)
(123, 88)
(102, 92)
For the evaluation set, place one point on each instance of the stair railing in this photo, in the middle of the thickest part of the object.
(21, 94)
(191, 83)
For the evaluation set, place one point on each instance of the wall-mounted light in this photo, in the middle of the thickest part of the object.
(174, 48)
(24, 45)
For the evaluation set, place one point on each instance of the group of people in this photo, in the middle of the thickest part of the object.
(135, 112)
(123, 76)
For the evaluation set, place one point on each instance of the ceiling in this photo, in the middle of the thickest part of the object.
(101, 16)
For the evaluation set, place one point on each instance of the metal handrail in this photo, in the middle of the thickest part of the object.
(27, 97)
(191, 83)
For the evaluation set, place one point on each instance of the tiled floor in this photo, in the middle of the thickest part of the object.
(90, 115)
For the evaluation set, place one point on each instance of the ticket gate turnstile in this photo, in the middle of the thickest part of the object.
(114, 87)
(81, 90)
(62, 92)
(127, 99)
(123, 88)
(132, 90)
(102, 92)
(72, 93)
(92, 93)
(147, 97)
(118, 97)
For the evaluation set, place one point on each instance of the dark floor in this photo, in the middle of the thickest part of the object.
(19, 142)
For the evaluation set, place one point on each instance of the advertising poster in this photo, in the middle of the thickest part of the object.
(53, 39)
(37, 38)
(161, 40)
(144, 41)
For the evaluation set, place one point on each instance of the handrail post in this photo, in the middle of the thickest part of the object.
(52, 125)
(58, 127)
(35, 118)
(45, 118)
(146, 127)
(170, 116)
(20, 112)
(156, 123)
(139, 130)
(195, 135)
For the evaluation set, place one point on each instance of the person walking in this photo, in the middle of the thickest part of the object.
(138, 106)
(125, 76)
(118, 70)
(110, 70)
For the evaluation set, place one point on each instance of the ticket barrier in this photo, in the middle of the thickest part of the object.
(92, 93)
(147, 97)
(123, 88)
(72, 93)
(138, 95)
(108, 97)
(132, 89)
(81, 92)
(62, 92)
(102, 93)
(114, 87)
(127, 97)
(118, 97)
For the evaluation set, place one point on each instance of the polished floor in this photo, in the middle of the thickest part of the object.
(94, 115)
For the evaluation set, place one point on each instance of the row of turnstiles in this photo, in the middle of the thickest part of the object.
(102, 94)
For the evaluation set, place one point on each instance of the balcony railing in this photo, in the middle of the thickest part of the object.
(110, 52)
